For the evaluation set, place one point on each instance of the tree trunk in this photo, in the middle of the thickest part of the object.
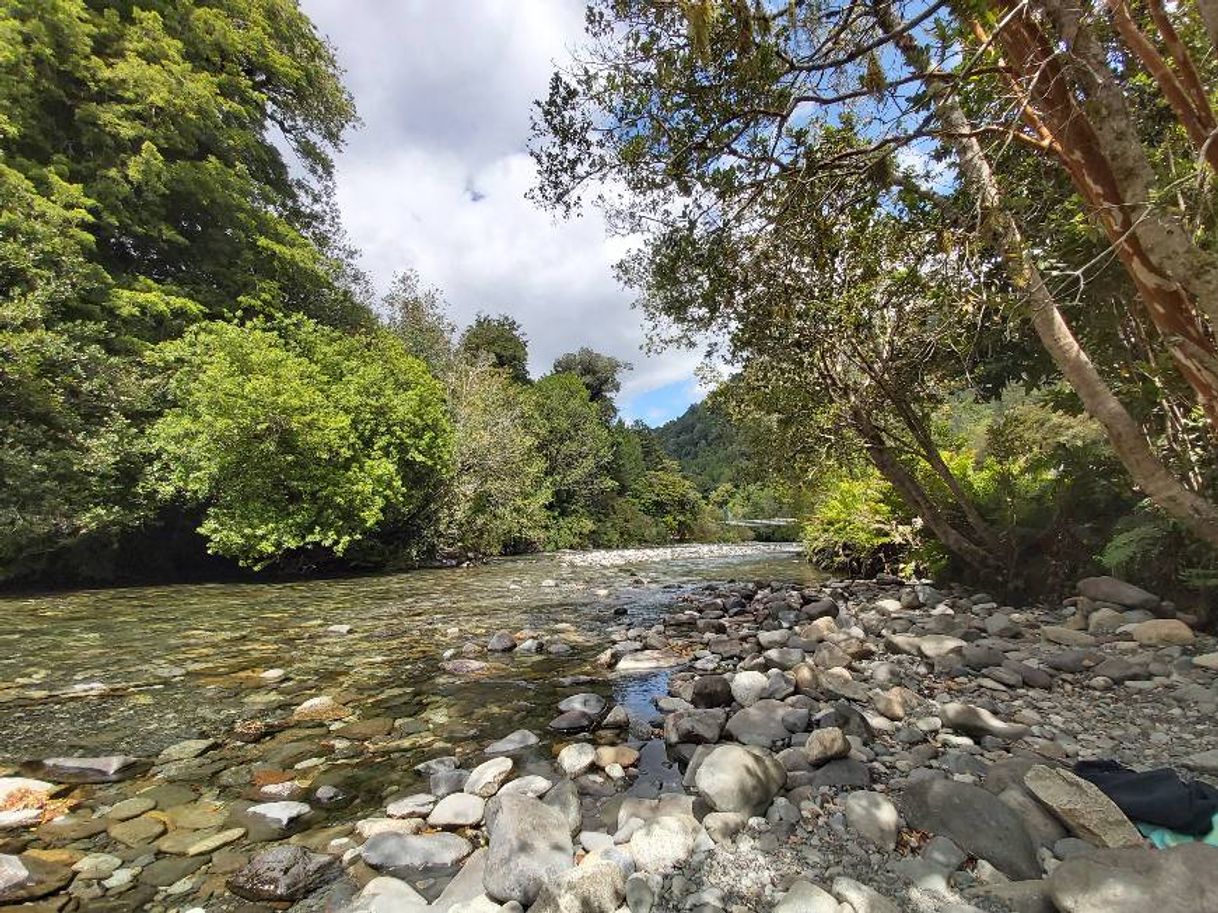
(1106, 162)
(1209, 18)
(922, 436)
(916, 497)
(1193, 511)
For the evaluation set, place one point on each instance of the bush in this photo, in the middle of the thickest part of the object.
(858, 525)
(294, 436)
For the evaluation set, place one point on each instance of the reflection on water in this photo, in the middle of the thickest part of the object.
(138, 669)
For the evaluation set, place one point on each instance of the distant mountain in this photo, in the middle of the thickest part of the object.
(707, 445)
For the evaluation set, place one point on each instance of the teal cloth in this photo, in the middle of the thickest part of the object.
(1163, 838)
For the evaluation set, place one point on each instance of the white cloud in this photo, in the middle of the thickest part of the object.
(435, 180)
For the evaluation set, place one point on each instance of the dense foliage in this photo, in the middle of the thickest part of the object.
(296, 437)
(191, 369)
(971, 317)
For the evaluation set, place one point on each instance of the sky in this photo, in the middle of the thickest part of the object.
(435, 179)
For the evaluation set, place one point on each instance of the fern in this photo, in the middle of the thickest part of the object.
(1136, 546)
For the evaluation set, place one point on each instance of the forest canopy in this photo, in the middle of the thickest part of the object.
(191, 363)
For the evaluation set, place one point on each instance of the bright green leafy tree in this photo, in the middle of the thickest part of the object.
(294, 436)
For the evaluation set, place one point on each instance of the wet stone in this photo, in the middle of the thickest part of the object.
(572, 721)
(362, 730)
(283, 873)
(165, 872)
(517, 741)
(182, 751)
(411, 855)
(137, 831)
(70, 828)
(591, 704)
(27, 877)
(197, 815)
(100, 769)
(130, 808)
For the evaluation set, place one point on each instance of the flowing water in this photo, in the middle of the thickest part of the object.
(136, 670)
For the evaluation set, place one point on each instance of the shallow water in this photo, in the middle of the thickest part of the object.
(135, 670)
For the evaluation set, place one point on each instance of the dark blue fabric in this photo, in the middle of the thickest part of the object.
(1157, 796)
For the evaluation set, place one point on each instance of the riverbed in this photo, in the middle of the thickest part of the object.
(136, 670)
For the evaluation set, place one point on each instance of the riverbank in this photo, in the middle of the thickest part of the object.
(806, 737)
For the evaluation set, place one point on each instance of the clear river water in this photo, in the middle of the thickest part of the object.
(136, 670)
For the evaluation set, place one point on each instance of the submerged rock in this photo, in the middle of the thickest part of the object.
(103, 769)
(516, 741)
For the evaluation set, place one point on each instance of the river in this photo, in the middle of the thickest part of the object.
(136, 670)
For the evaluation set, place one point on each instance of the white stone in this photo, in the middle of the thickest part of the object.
(485, 779)
(576, 758)
(280, 813)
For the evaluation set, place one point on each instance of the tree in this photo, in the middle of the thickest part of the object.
(599, 373)
(143, 188)
(713, 116)
(497, 497)
(419, 318)
(295, 437)
(501, 341)
(578, 450)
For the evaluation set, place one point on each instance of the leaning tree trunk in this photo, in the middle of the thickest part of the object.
(916, 497)
(1099, 147)
(1196, 513)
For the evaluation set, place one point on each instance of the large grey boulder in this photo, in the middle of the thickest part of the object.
(805, 897)
(874, 817)
(737, 779)
(1082, 807)
(1110, 589)
(1044, 829)
(411, 855)
(761, 724)
(1138, 880)
(694, 726)
(597, 886)
(711, 691)
(387, 895)
(747, 687)
(976, 820)
(664, 844)
(530, 843)
(466, 884)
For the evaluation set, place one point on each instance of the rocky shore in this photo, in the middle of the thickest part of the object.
(861, 746)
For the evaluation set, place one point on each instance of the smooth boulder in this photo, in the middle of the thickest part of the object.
(1138, 880)
(1082, 807)
(283, 873)
(736, 779)
(530, 843)
(976, 820)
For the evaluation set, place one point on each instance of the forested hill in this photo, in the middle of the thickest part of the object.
(707, 445)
